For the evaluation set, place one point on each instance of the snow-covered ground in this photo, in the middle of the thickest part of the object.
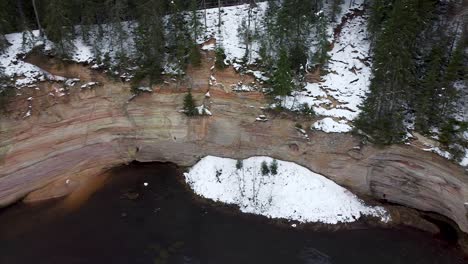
(294, 193)
(227, 36)
(340, 93)
(13, 64)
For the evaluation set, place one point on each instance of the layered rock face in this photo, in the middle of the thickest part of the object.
(89, 131)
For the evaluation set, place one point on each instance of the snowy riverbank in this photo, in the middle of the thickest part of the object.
(294, 193)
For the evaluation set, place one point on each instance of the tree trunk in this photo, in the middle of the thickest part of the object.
(41, 32)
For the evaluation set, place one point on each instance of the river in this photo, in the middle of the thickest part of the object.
(144, 214)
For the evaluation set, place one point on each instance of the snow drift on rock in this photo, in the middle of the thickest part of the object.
(294, 193)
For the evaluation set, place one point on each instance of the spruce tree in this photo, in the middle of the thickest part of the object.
(220, 58)
(282, 80)
(393, 72)
(178, 39)
(274, 167)
(4, 24)
(427, 96)
(117, 28)
(150, 39)
(247, 31)
(323, 46)
(265, 170)
(189, 105)
(59, 27)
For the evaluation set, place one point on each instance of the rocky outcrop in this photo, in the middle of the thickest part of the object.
(90, 131)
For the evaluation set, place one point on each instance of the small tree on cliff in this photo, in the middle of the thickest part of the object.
(189, 104)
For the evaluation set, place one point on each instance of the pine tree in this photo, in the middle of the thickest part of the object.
(265, 170)
(195, 24)
(59, 27)
(427, 96)
(117, 28)
(220, 58)
(323, 46)
(282, 81)
(150, 39)
(4, 25)
(247, 31)
(274, 167)
(239, 164)
(179, 40)
(189, 105)
(393, 72)
(6, 91)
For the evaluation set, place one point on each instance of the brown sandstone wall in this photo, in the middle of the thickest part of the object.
(94, 130)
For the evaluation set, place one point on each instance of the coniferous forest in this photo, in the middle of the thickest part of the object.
(418, 50)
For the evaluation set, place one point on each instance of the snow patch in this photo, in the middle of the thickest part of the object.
(294, 193)
(328, 125)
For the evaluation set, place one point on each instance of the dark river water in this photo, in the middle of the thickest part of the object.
(126, 222)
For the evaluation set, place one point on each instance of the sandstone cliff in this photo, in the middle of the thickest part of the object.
(88, 131)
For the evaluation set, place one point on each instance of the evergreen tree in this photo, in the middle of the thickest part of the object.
(239, 164)
(6, 91)
(4, 24)
(427, 96)
(220, 58)
(118, 29)
(247, 31)
(59, 27)
(393, 72)
(265, 169)
(378, 13)
(195, 24)
(274, 167)
(282, 81)
(323, 46)
(189, 105)
(150, 40)
(179, 41)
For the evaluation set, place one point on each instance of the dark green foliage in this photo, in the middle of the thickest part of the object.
(393, 72)
(265, 169)
(289, 24)
(189, 105)
(195, 24)
(247, 32)
(451, 136)
(274, 167)
(150, 38)
(6, 89)
(59, 26)
(179, 41)
(239, 164)
(118, 9)
(305, 109)
(220, 57)
(321, 55)
(4, 24)
(378, 13)
(282, 80)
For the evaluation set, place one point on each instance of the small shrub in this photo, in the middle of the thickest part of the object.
(239, 164)
(265, 168)
(305, 109)
(274, 167)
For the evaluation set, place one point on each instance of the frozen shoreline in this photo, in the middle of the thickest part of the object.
(294, 193)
